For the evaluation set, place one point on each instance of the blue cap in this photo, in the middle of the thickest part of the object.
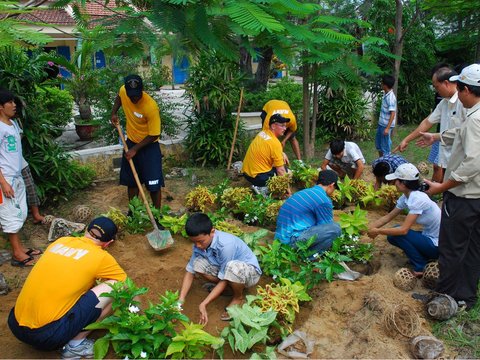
(106, 227)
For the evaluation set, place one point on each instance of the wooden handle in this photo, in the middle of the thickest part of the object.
(236, 128)
(137, 180)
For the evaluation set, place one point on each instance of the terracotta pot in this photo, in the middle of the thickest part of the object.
(86, 132)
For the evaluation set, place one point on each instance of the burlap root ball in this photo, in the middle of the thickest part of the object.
(431, 273)
(426, 347)
(404, 279)
(48, 219)
(401, 319)
(423, 168)
(82, 213)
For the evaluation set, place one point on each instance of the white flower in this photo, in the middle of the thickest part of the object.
(143, 354)
(274, 277)
(126, 358)
(133, 309)
(315, 255)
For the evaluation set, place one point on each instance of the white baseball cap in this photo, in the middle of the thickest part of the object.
(469, 75)
(404, 172)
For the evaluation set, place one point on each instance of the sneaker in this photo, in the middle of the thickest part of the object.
(260, 190)
(84, 350)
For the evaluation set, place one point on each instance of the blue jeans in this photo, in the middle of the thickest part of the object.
(383, 143)
(324, 236)
(418, 248)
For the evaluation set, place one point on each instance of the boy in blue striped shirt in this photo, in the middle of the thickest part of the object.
(387, 118)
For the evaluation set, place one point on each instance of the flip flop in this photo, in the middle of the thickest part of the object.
(23, 263)
(225, 316)
(34, 252)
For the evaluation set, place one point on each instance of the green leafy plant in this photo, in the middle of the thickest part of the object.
(200, 199)
(226, 226)
(346, 189)
(117, 216)
(176, 224)
(252, 239)
(134, 334)
(303, 173)
(355, 222)
(138, 220)
(351, 246)
(389, 195)
(284, 298)
(248, 326)
(191, 342)
(278, 186)
(330, 264)
(370, 196)
(254, 209)
(271, 212)
(232, 196)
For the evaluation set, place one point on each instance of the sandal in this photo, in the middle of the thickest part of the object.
(225, 316)
(34, 252)
(22, 263)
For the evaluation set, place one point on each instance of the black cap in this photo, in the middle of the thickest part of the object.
(106, 227)
(133, 85)
(327, 177)
(277, 118)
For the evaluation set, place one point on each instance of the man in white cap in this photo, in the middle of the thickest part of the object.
(459, 240)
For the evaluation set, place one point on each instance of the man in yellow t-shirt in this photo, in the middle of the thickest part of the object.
(143, 132)
(265, 156)
(281, 107)
(60, 296)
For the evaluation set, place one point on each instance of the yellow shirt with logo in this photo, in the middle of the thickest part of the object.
(67, 270)
(264, 153)
(279, 107)
(143, 118)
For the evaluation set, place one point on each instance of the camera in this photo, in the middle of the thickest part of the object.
(423, 187)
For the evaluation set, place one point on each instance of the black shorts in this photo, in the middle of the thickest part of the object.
(261, 179)
(148, 163)
(55, 335)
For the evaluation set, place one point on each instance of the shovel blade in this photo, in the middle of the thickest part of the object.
(160, 239)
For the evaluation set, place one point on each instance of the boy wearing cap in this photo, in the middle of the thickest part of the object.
(60, 296)
(449, 113)
(385, 165)
(419, 246)
(387, 118)
(460, 228)
(143, 132)
(265, 157)
(273, 107)
(345, 158)
(308, 213)
(220, 258)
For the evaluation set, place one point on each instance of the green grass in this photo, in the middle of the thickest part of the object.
(461, 333)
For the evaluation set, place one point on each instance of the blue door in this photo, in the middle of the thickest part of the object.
(65, 52)
(99, 59)
(180, 71)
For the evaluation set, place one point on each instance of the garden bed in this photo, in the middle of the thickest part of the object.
(338, 320)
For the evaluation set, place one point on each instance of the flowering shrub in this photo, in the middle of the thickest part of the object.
(148, 334)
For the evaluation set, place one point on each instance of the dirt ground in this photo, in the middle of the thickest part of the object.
(337, 319)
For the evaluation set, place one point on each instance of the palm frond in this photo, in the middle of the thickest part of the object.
(252, 17)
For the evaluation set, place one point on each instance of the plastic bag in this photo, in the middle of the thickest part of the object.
(296, 345)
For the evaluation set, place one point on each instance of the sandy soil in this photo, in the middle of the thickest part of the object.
(337, 319)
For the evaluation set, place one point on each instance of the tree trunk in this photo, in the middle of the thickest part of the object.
(308, 145)
(245, 62)
(398, 47)
(263, 70)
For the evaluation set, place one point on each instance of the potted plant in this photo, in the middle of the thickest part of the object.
(86, 128)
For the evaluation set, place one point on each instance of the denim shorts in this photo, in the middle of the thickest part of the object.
(56, 334)
(148, 164)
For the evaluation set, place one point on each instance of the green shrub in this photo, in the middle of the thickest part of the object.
(342, 114)
(286, 90)
(56, 105)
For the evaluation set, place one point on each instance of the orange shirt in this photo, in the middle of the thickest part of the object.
(279, 107)
(67, 270)
(264, 153)
(143, 118)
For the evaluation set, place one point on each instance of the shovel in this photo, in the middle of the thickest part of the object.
(158, 239)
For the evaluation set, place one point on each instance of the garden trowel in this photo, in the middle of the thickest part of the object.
(158, 239)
